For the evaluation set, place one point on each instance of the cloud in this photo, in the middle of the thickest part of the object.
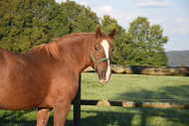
(60, 1)
(152, 3)
(182, 20)
(104, 10)
(122, 17)
(181, 26)
(175, 26)
(83, 3)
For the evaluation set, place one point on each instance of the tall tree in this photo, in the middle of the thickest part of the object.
(142, 45)
(148, 41)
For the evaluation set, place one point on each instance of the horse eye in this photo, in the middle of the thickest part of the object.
(97, 47)
(112, 50)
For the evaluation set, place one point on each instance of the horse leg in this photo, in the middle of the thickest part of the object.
(61, 111)
(43, 117)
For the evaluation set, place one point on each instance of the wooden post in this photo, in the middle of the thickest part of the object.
(77, 106)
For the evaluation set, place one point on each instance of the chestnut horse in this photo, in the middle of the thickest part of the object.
(47, 77)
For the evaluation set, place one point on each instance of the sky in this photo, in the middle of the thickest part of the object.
(172, 15)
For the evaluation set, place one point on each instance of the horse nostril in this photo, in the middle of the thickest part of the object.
(104, 74)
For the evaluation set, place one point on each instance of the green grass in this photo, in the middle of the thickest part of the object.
(121, 87)
(136, 87)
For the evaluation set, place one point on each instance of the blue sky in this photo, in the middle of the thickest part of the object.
(172, 15)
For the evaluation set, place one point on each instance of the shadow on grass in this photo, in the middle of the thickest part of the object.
(179, 94)
(137, 118)
(127, 117)
(15, 118)
(21, 118)
(141, 116)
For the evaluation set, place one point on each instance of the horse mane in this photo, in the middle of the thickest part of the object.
(51, 49)
(82, 34)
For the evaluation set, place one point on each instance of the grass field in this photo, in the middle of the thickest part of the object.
(121, 87)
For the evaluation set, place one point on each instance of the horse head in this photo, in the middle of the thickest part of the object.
(101, 55)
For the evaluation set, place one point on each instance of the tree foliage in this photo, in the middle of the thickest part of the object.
(72, 17)
(24, 23)
(27, 23)
(148, 42)
(142, 44)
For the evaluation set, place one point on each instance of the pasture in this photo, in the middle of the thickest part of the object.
(121, 87)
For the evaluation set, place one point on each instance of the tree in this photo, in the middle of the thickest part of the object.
(143, 45)
(24, 23)
(72, 17)
(27, 23)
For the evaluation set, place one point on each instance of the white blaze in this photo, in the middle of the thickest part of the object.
(106, 48)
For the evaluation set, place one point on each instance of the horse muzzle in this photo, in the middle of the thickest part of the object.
(103, 81)
(103, 78)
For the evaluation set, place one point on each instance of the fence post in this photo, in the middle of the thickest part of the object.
(77, 106)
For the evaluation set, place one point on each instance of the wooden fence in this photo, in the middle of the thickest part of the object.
(173, 71)
(128, 104)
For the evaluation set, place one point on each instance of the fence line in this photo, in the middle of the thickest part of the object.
(135, 104)
(150, 103)
(182, 70)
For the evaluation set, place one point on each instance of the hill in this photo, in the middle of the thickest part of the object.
(178, 58)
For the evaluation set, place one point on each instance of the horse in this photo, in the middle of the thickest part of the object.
(47, 76)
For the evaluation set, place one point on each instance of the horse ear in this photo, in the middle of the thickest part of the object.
(98, 32)
(112, 34)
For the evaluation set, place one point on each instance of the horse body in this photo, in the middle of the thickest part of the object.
(47, 76)
(20, 82)
(32, 80)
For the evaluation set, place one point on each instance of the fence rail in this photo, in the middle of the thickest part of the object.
(182, 70)
(135, 104)
(128, 104)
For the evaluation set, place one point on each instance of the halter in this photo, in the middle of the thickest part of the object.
(96, 62)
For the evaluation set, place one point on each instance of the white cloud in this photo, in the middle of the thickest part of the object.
(178, 27)
(122, 17)
(104, 10)
(83, 3)
(182, 20)
(60, 1)
(152, 3)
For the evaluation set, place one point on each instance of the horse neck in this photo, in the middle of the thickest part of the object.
(77, 55)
